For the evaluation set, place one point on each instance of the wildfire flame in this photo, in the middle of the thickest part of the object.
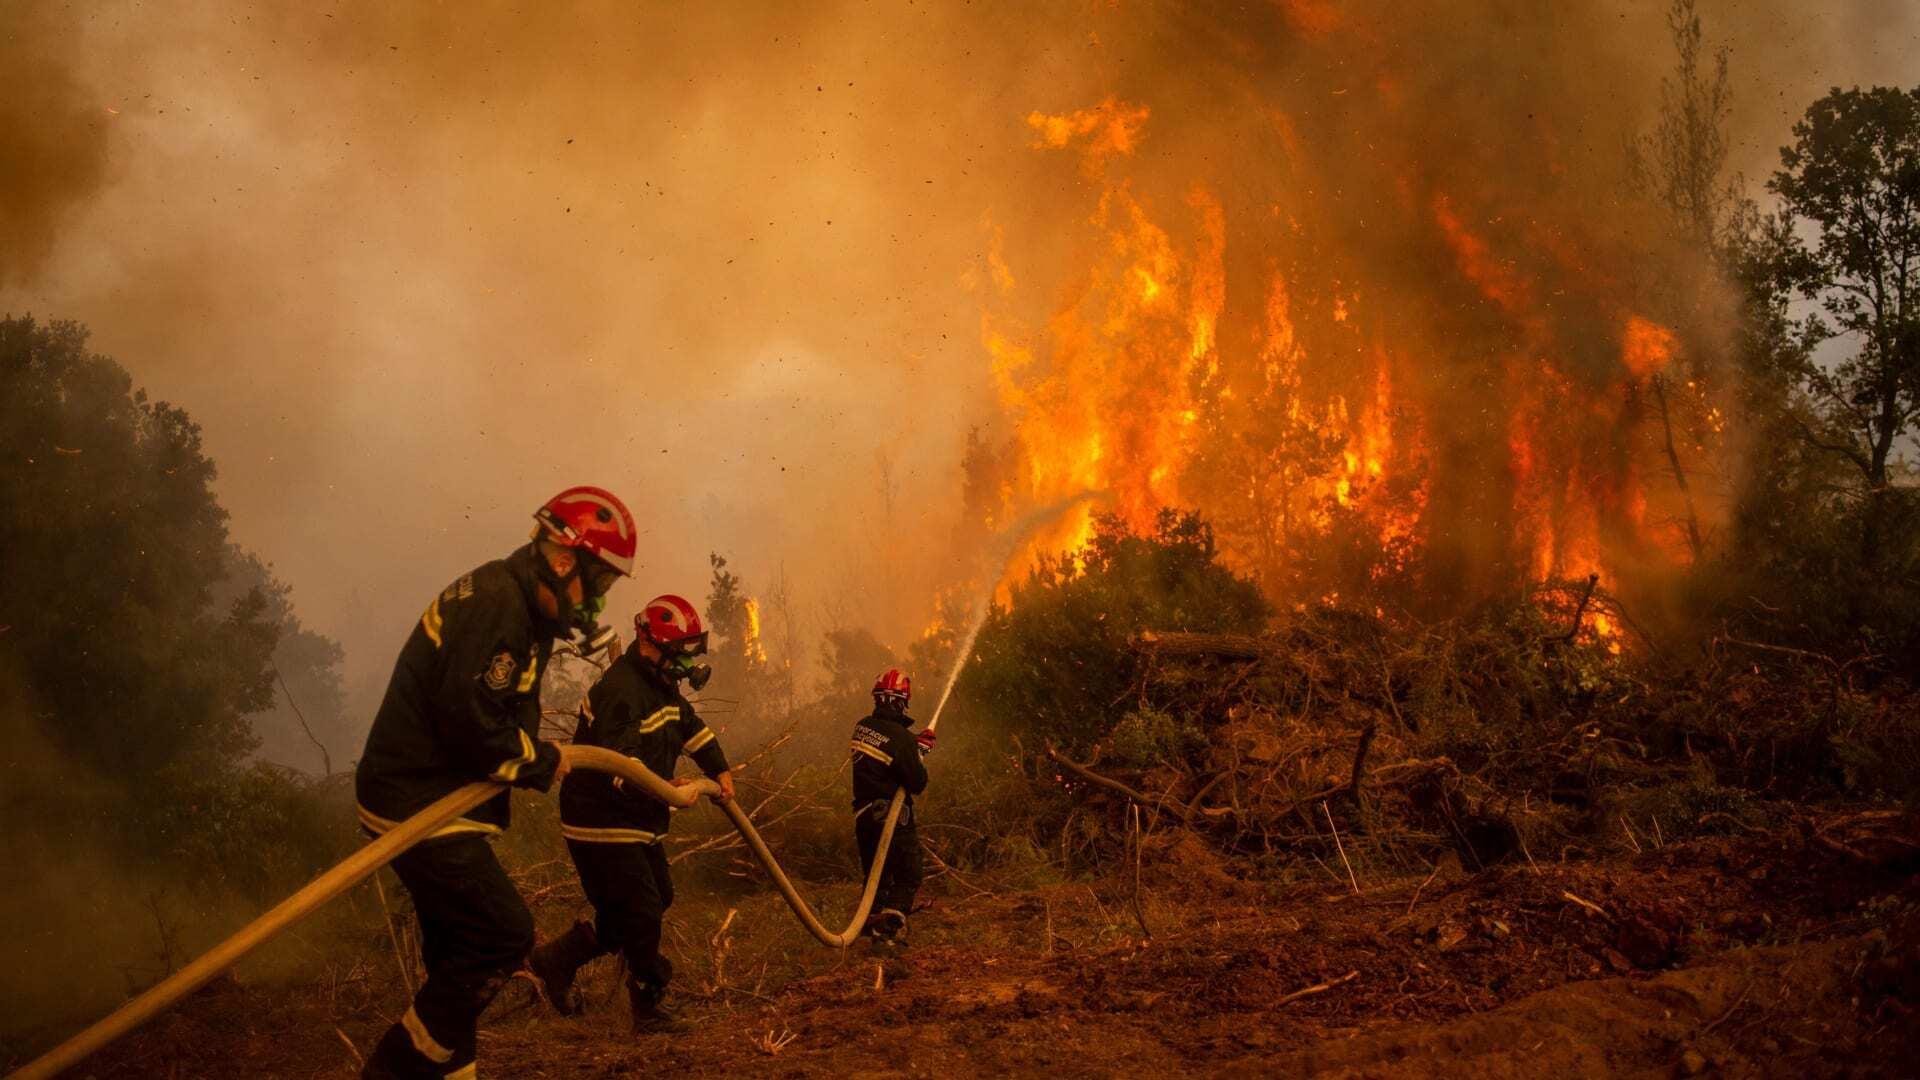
(1112, 407)
(1530, 421)
(751, 645)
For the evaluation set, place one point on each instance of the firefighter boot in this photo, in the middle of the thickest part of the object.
(888, 928)
(394, 1058)
(556, 962)
(650, 1013)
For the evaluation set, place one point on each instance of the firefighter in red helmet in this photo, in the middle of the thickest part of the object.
(615, 833)
(463, 705)
(886, 758)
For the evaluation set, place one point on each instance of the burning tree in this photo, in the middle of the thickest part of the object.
(1394, 381)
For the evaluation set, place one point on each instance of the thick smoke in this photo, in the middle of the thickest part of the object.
(53, 149)
(413, 268)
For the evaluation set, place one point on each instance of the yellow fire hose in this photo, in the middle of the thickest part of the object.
(384, 849)
(355, 869)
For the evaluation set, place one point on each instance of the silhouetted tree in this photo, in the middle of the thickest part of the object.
(1851, 181)
(114, 545)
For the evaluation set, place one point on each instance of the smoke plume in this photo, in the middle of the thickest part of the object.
(414, 268)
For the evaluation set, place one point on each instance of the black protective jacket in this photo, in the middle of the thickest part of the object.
(636, 711)
(886, 757)
(464, 702)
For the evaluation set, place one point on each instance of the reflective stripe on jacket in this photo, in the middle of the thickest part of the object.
(463, 703)
(633, 710)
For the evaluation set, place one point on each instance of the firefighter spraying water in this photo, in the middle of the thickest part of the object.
(886, 760)
(473, 959)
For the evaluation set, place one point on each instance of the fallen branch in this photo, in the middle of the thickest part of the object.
(1783, 650)
(771, 1044)
(1139, 915)
(1422, 888)
(1731, 1009)
(1378, 776)
(1342, 849)
(1139, 798)
(1193, 804)
(358, 1061)
(1231, 646)
(1588, 904)
(1318, 988)
(730, 841)
(1356, 781)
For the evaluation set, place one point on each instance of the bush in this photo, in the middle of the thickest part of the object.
(1148, 736)
(259, 832)
(1056, 660)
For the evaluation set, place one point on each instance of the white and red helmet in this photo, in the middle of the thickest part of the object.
(593, 520)
(893, 686)
(673, 626)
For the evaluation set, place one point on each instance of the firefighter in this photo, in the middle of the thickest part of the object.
(463, 705)
(886, 758)
(615, 832)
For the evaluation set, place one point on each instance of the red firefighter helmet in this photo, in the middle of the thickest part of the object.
(893, 686)
(592, 519)
(672, 625)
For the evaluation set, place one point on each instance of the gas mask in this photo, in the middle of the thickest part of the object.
(680, 660)
(689, 669)
(592, 638)
(595, 578)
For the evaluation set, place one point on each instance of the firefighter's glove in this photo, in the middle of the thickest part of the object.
(925, 738)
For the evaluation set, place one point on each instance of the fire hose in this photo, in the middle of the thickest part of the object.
(385, 848)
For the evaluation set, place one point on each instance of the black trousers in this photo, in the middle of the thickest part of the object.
(475, 932)
(630, 890)
(900, 877)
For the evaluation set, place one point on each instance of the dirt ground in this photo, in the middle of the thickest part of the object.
(1784, 953)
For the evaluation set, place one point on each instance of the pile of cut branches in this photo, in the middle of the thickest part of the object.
(1517, 730)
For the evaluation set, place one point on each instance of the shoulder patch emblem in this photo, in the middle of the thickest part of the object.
(500, 671)
(459, 590)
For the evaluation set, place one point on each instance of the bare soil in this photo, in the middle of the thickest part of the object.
(1783, 953)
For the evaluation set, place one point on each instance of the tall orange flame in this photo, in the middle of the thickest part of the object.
(1303, 443)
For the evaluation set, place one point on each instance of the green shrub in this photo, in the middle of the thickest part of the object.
(258, 832)
(1147, 736)
(1685, 809)
(1053, 664)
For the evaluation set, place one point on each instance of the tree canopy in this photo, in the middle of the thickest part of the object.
(1849, 186)
(127, 648)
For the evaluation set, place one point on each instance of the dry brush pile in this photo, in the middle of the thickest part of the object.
(1519, 731)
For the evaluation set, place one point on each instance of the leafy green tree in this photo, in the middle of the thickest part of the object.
(114, 547)
(1825, 550)
(726, 602)
(307, 726)
(1849, 239)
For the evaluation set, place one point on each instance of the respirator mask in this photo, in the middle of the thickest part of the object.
(680, 661)
(596, 579)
